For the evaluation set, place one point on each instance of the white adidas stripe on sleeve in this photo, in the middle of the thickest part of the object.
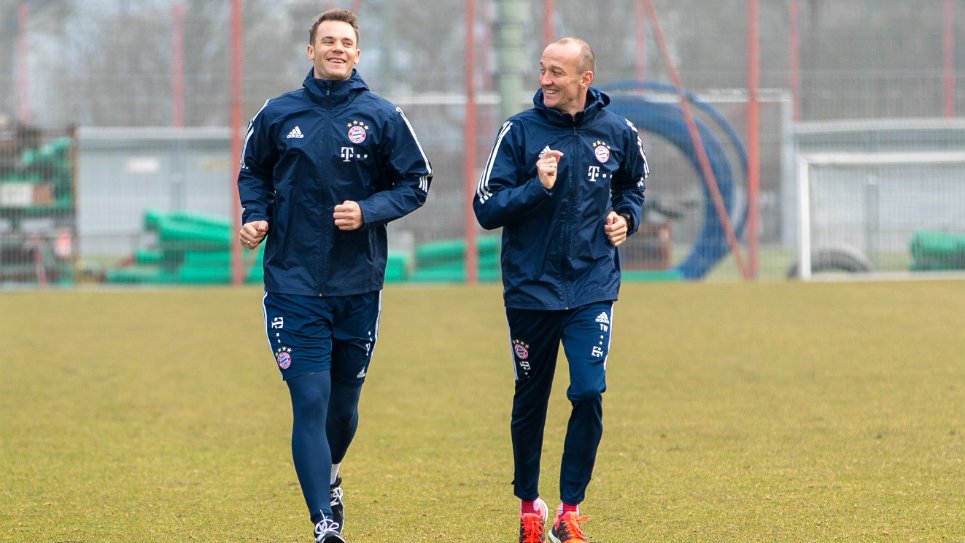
(482, 189)
(248, 134)
(424, 180)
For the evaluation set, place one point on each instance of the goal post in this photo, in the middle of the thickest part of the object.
(871, 203)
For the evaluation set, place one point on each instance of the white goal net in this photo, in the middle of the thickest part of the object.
(867, 212)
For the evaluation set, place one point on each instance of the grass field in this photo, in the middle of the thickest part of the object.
(770, 412)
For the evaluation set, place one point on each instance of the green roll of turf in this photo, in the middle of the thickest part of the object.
(490, 260)
(203, 275)
(148, 256)
(33, 179)
(139, 274)
(653, 275)
(394, 275)
(188, 233)
(451, 274)
(207, 258)
(396, 267)
(221, 258)
(256, 274)
(200, 219)
(153, 218)
(932, 250)
(451, 251)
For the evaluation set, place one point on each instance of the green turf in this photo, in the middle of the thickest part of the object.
(772, 412)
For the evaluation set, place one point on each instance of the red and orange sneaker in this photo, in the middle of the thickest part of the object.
(568, 528)
(532, 526)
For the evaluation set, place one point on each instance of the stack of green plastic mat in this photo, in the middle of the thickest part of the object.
(444, 261)
(191, 248)
(194, 248)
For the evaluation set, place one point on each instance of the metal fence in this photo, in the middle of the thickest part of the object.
(115, 158)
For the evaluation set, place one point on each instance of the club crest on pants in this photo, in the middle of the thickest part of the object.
(521, 349)
(283, 356)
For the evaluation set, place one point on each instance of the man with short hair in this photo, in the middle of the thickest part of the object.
(565, 181)
(324, 169)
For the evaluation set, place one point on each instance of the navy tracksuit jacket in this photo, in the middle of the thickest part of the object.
(313, 148)
(555, 254)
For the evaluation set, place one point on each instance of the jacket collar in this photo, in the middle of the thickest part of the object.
(596, 100)
(329, 92)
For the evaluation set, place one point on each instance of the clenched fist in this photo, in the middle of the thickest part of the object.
(546, 167)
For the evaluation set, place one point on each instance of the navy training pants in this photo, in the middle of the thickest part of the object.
(536, 337)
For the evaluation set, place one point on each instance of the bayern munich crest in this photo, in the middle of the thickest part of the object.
(601, 151)
(357, 131)
(283, 356)
(521, 349)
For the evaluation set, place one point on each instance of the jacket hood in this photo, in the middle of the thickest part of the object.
(596, 100)
(333, 91)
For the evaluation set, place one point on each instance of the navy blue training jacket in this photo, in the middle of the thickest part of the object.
(555, 254)
(313, 148)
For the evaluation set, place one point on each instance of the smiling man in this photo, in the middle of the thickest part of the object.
(324, 169)
(565, 181)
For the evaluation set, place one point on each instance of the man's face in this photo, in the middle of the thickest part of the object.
(564, 87)
(335, 51)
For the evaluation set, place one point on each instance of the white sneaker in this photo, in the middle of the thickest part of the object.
(326, 531)
(338, 508)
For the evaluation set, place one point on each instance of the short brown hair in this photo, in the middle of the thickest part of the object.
(343, 15)
(587, 60)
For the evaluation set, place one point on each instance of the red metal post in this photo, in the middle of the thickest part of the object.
(794, 49)
(40, 270)
(177, 66)
(702, 159)
(469, 147)
(949, 40)
(486, 58)
(753, 135)
(640, 37)
(549, 32)
(23, 68)
(237, 93)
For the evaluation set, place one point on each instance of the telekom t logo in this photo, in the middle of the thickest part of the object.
(347, 153)
(593, 173)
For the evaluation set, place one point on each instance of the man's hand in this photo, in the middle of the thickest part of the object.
(348, 216)
(546, 167)
(252, 234)
(615, 228)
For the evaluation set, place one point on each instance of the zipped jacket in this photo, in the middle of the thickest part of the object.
(555, 253)
(314, 148)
